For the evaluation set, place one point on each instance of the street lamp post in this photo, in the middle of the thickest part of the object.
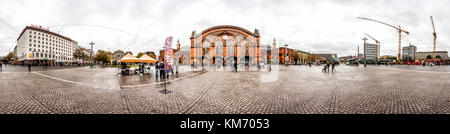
(365, 61)
(90, 53)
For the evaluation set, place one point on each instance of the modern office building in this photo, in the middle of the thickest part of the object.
(372, 51)
(409, 53)
(39, 45)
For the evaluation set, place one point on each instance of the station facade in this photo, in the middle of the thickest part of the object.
(225, 45)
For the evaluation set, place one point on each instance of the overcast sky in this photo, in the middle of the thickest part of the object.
(317, 26)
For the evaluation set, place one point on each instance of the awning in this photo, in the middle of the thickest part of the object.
(129, 58)
(147, 59)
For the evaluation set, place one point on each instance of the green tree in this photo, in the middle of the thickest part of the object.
(102, 56)
(85, 57)
(10, 56)
(79, 54)
(140, 54)
(429, 57)
(438, 57)
(152, 55)
(393, 58)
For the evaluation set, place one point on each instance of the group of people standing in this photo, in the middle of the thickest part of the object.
(45, 65)
(163, 72)
(326, 68)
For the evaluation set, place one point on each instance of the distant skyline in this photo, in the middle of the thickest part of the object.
(319, 26)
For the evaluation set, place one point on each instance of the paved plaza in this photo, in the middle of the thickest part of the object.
(296, 90)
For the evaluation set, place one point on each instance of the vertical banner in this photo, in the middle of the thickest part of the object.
(168, 53)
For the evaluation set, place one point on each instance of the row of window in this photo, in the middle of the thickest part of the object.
(53, 52)
(44, 55)
(46, 35)
(64, 43)
(51, 48)
(55, 45)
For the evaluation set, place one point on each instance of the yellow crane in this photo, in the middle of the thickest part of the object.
(400, 30)
(376, 41)
(435, 36)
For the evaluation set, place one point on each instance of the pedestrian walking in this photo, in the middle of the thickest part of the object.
(235, 66)
(29, 67)
(328, 66)
(1, 66)
(156, 69)
(332, 66)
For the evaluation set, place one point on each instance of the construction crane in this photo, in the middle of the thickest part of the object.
(365, 61)
(400, 30)
(435, 36)
(376, 42)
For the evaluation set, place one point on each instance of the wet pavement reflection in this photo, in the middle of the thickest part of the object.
(108, 78)
(22, 68)
(137, 79)
(295, 90)
(424, 68)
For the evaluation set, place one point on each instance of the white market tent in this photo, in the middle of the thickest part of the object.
(147, 59)
(129, 58)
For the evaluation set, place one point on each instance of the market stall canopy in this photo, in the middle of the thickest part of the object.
(129, 58)
(147, 59)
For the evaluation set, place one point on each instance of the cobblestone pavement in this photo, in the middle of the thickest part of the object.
(425, 68)
(297, 90)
